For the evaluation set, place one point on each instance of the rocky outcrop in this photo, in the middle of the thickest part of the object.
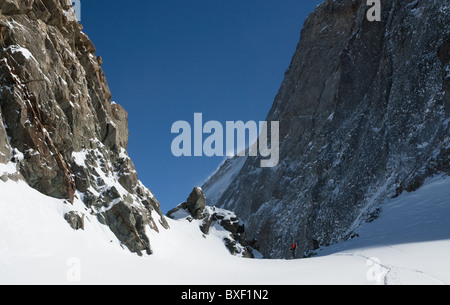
(57, 114)
(196, 203)
(75, 220)
(220, 219)
(209, 218)
(364, 114)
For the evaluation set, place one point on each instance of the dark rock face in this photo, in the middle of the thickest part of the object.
(75, 220)
(128, 223)
(56, 113)
(196, 203)
(364, 114)
(211, 217)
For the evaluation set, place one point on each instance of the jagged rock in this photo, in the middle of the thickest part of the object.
(75, 220)
(236, 241)
(196, 202)
(364, 114)
(208, 218)
(128, 224)
(56, 104)
(194, 205)
(11, 7)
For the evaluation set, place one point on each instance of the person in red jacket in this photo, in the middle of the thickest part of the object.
(293, 247)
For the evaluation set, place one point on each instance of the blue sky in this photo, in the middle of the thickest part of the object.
(168, 59)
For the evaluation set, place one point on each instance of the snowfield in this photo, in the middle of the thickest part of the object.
(408, 244)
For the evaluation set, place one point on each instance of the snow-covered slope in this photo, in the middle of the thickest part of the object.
(217, 184)
(363, 113)
(409, 243)
(411, 238)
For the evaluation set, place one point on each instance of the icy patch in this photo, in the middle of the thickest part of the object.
(70, 14)
(376, 130)
(17, 155)
(123, 154)
(18, 49)
(423, 145)
(80, 157)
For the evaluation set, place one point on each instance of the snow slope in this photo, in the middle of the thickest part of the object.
(408, 244)
(218, 183)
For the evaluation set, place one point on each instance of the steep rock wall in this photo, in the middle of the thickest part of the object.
(364, 114)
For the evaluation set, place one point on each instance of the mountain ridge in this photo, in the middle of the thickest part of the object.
(363, 111)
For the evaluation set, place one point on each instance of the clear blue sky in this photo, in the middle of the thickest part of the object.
(167, 59)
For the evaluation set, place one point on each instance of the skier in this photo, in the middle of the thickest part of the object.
(293, 247)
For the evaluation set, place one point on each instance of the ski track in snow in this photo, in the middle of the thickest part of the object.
(392, 271)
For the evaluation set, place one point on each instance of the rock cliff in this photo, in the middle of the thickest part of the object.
(58, 124)
(364, 114)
